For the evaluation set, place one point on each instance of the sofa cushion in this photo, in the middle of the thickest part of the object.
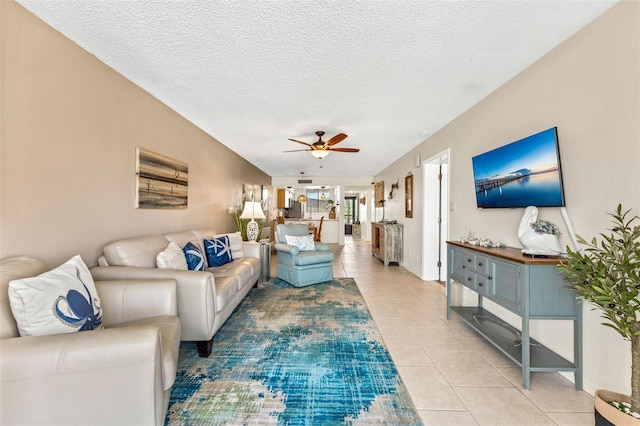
(194, 257)
(238, 269)
(11, 269)
(313, 257)
(251, 262)
(218, 251)
(181, 238)
(140, 252)
(201, 235)
(303, 242)
(63, 300)
(172, 258)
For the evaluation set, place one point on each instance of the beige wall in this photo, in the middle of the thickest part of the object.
(589, 87)
(70, 126)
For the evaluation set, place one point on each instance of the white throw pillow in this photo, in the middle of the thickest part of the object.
(235, 240)
(63, 300)
(172, 258)
(304, 242)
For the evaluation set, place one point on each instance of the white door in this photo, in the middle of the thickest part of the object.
(436, 216)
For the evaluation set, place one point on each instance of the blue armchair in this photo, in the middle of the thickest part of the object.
(302, 268)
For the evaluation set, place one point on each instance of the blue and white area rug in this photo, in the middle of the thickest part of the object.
(293, 356)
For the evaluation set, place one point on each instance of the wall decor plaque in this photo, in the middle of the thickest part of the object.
(408, 195)
(162, 182)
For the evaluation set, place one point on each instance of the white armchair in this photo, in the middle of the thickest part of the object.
(119, 375)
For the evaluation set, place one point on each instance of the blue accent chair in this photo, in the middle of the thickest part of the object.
(302, 268)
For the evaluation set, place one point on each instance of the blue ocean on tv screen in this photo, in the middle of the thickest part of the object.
(538, 190)
(523, 173)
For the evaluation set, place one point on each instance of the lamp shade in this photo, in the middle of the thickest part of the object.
(302, 198)
(320, 153)
(252, 210)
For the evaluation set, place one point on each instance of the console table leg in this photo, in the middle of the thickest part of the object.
(526, 353)
(448, 298)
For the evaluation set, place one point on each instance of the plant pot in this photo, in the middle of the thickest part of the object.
(607, 415)
(332, 215)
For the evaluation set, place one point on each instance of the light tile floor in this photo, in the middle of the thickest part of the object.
(453, 375)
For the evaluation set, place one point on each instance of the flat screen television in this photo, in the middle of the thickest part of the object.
(523, 173)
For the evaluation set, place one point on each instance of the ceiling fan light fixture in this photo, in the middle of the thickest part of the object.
(320, 153)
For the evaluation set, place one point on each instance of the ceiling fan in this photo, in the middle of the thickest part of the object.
(320, 148)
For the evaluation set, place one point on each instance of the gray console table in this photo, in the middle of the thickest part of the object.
(532, 288)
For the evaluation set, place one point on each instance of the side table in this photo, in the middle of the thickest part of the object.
(262, 251)
(265, 261)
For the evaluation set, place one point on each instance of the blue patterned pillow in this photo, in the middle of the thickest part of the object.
(195, 260)
(218, 251)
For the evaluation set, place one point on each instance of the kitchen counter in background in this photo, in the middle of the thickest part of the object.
(329, 228)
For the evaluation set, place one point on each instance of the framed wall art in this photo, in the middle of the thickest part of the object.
(378, 193)
(408, 195)
(162, 182)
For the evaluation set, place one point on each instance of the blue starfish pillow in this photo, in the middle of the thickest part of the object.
(218, 251)
(195, 259)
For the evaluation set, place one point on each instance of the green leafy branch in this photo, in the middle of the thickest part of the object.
(607, 273)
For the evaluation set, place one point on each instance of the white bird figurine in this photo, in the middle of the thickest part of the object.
(536, 244)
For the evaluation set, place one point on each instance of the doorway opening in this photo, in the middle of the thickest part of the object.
(436, 217)
(350, 214)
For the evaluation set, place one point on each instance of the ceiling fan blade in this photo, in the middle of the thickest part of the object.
(298, 150)
(303, 143)
(337, 138)
(344, 149)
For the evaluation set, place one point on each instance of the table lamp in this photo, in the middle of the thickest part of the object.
(252, 210)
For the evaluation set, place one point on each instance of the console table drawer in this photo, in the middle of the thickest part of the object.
(481, 264)
(483, 285)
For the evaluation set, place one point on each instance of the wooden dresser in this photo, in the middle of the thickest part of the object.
(386, 242)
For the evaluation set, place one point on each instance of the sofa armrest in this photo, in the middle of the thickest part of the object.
(286, 248)
(130, 300)
(251, 249)
(78, 378)
(195, 291)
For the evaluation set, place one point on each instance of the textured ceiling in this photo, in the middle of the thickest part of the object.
(254, 73)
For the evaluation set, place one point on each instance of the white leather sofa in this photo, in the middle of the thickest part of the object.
(120, 375)
(205, 298)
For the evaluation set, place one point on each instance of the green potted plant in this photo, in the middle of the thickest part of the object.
(607, 274)
(332, 208)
